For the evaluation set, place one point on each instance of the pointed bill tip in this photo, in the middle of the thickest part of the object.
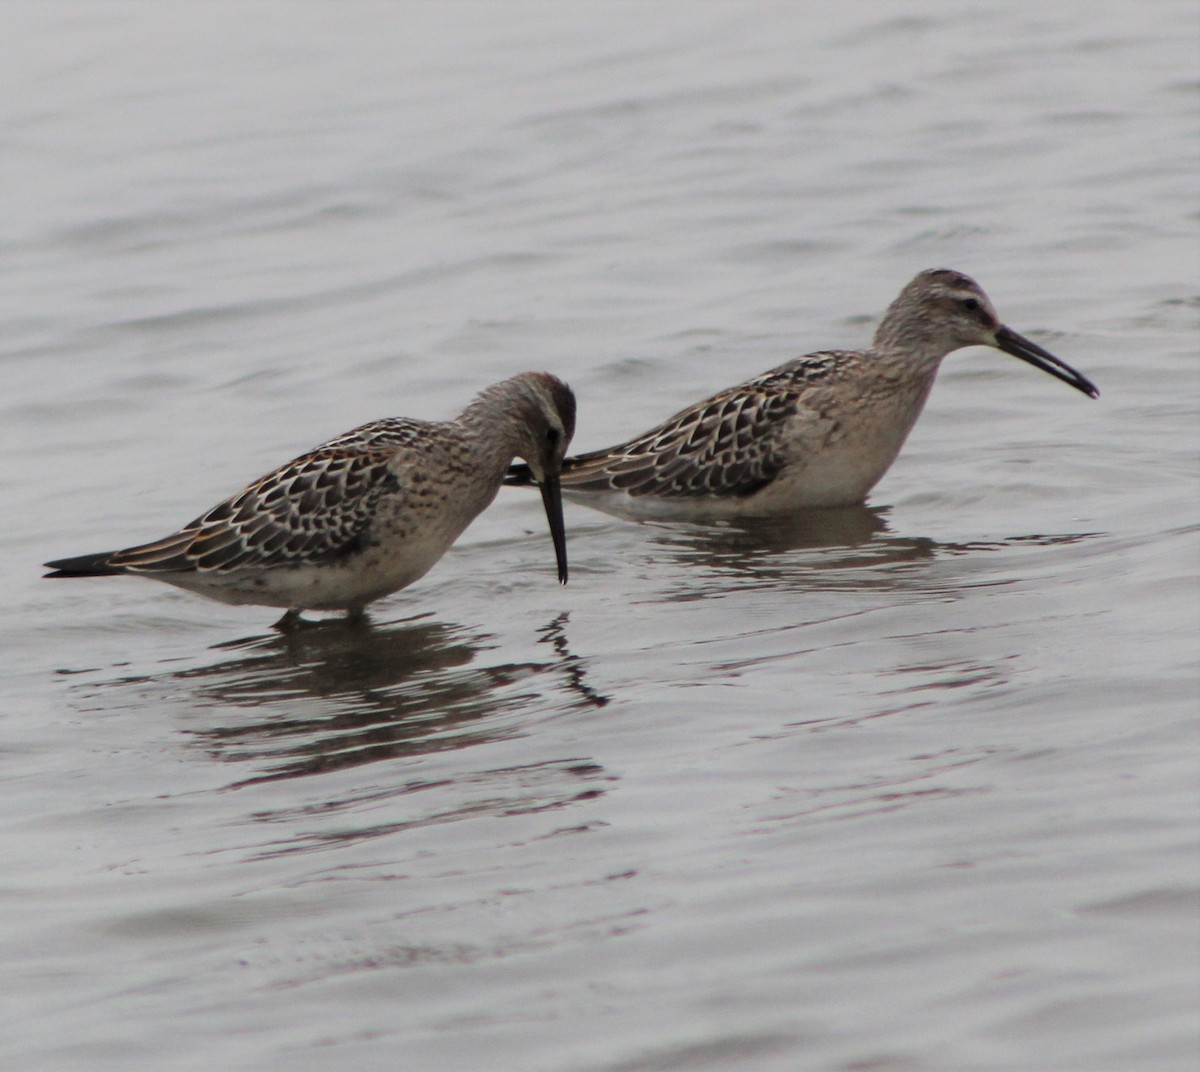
(1019, 346)
(552, 501)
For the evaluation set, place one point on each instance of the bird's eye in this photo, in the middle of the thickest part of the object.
(970, 304)
(552, 435)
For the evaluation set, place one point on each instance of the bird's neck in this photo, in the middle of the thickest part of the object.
(496, 432)
(907, 336)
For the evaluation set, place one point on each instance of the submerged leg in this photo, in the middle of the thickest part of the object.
(289, 622)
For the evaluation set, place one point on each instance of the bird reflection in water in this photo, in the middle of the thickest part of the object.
(341, 694)
(819, 545)
(847, 548)
(572, 665)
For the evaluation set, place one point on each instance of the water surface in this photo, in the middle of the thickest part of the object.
(906, 787)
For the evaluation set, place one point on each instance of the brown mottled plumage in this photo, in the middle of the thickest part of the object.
(817, 431)
(364, 514)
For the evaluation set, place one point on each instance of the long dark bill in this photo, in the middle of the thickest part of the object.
(1019, 346)
(552, 501)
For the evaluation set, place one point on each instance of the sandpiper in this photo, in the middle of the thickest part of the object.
(818, 431)
(365, 514)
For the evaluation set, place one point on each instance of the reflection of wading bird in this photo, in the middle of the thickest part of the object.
(818, 431)
(365, 514)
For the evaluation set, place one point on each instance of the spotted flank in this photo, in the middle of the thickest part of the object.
(818, 431)
(362, 515)
(722, 446)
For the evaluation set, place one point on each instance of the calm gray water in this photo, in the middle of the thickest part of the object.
(908, 787)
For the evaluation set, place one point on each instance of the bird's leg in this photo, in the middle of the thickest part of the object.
(290, 622)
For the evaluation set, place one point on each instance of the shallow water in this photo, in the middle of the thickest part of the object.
(906, 787)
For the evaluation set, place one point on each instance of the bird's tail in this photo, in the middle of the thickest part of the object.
(84, 566)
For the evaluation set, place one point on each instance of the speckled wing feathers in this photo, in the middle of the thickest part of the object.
(314, 509)
(729, 444)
